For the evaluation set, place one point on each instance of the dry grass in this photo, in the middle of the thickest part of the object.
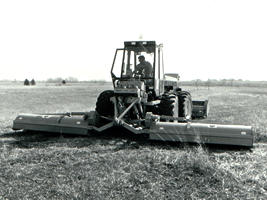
(47, 166)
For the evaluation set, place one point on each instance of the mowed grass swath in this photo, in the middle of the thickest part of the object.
(54, 166)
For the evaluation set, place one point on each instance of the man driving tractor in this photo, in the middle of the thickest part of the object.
(144, 68)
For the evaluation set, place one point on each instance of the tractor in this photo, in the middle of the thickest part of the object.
(136, 93)
(145, 101)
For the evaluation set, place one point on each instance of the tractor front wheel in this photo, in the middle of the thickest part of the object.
(104, 106)
(169, 105)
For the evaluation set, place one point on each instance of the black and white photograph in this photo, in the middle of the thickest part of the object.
(143, 99)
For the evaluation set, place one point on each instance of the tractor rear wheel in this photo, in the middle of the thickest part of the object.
(104, 106)
(185, 105)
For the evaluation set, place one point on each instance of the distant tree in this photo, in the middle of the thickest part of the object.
(33, 82)
(223, 82)
(63, 82)
(197, 83)
(208, 83)
(72, 79)
(26, 82)
(54, 80)
(60, 80)
(97, 81)
(231, 82)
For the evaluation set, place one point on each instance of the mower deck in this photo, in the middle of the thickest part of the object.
(77, 123)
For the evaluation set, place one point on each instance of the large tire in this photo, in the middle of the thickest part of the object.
(104, 106)
(185, 105)
(169, 105)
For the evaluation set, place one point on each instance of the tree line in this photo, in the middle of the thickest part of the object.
(225, 83)
(62, 80)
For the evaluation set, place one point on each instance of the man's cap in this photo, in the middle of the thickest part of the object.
(141, 57)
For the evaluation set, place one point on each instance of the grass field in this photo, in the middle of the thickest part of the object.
(49, 166)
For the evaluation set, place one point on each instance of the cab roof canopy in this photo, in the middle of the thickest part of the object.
(140, 46)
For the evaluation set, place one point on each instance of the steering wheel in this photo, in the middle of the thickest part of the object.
(139, 73)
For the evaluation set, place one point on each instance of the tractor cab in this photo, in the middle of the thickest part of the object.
(139, 61)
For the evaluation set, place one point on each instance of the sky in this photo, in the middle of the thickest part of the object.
(203, 39)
